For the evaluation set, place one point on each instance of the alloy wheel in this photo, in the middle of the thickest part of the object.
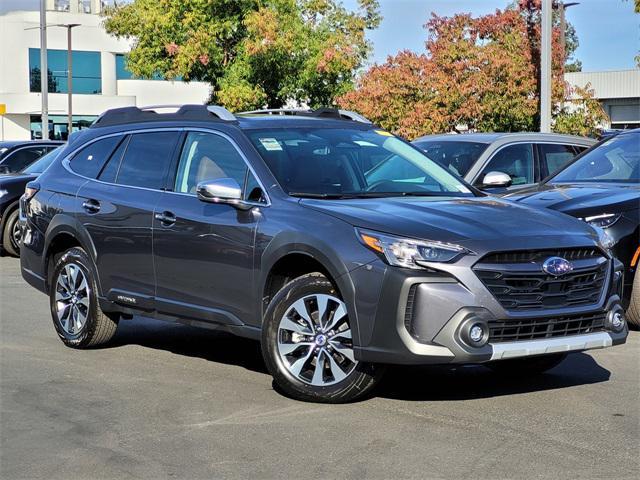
(16, 235)
(72, 299)
(315, 343)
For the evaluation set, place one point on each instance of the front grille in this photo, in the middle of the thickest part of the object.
(537, 328)
(535, 256)
(517, 281)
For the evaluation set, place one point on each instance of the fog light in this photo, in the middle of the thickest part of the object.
(476, 333)
(617, 321)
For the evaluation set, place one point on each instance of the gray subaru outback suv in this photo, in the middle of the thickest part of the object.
(339, 246)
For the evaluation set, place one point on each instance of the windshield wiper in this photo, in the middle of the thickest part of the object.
(343, 196)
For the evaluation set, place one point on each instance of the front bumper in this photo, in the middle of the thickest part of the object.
(441, 305)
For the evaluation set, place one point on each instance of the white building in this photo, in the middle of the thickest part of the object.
(100, 78)
(617, 91)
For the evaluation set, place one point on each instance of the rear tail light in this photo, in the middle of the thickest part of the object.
(30, 190)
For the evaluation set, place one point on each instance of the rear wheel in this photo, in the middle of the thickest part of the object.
(527, 365)
(633, 312)
(12, 234)
(77, 316)
(307, 344)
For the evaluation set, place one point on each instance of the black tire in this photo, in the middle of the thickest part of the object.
(98, 327)
(356, 384)
(527, 366)
(9, 243)
(633, 312)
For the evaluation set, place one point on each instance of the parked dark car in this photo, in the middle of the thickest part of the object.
(602, 187)
(11, 188)
(279, 226)
(501, 163)
(18, 155)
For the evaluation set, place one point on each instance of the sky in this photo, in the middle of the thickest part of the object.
(608, 30)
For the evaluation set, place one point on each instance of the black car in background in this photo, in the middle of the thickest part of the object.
(18, 155)
(602, 187)
(11, 188)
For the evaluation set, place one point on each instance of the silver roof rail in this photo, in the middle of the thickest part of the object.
(122, 115)
(320, 112)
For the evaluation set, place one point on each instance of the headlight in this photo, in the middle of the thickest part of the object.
(3, 193)
(603, 221)
(604, 239)
(409, 253)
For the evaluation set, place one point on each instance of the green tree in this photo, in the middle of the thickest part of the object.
(254, 53)
(480, 72)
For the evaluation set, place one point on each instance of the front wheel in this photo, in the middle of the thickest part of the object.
(12, 234)
(77, 316)
(307, 344)
(527, 366)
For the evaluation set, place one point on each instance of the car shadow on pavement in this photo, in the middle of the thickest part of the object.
(430, 383)
(213, 345)
(445, 383)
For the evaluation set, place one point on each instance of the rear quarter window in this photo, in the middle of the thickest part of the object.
(89, 160)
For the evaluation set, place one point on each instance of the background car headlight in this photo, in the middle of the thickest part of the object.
(409, 253)
(604, 239)
(604, 220)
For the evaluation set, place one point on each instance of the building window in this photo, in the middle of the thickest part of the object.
(123, 73)
(87, 78)
(84, 6)
(61, 5)
(59, 126)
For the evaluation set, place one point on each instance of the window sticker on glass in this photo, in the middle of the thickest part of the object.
(383, 133)
(271, 144)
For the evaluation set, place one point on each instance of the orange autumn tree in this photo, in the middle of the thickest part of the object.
(478, 72)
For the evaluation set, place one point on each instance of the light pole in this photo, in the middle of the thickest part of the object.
(44, 71)
(545, 67)
(563, 26)
(69, 26)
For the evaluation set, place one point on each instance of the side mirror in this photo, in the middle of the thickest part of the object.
(222, 190)
(496, 179)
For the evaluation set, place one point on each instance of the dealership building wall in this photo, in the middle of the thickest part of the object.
(100, 78)
(617, 91)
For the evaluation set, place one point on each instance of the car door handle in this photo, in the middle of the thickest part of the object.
(91, 206)
(166, 218)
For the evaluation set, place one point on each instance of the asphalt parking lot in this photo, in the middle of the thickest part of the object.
(167, 401)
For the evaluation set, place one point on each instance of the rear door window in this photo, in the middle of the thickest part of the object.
(147, 158)
(89, 161)
(553, 157)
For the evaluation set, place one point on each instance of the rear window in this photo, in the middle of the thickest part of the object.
(457, 157)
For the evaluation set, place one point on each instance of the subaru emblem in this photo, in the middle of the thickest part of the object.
(557, 266)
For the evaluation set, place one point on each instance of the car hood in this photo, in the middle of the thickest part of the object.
(11, 178)
(470, 222)
(581, 199)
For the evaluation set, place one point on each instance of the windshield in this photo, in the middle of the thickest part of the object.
(43, 163)
(349, 162)
(458, 157)
(615, 160)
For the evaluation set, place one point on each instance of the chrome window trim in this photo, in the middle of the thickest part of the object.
(66, 161)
